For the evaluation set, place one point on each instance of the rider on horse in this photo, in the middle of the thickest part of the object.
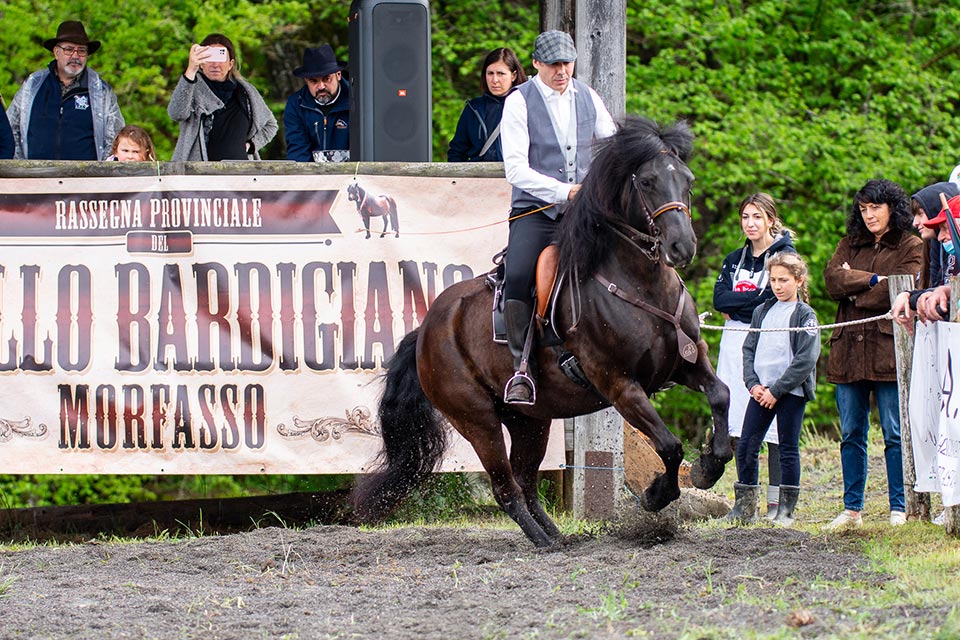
(548, 127)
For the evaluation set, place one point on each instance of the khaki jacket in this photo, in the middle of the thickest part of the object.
(865, 351)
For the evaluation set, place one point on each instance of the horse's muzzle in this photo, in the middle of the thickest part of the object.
(679, 253)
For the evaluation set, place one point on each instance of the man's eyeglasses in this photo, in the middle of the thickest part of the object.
(79, 51)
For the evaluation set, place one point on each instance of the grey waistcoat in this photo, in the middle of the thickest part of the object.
(545, 155)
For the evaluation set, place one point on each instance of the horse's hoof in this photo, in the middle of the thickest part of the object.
(705, 472)
(659, 494)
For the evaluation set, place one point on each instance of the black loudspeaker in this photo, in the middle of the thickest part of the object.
(391, 114)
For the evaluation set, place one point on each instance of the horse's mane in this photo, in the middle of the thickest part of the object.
(584, 235)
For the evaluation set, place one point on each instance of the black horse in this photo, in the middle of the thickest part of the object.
(624, 314)
(374, 206)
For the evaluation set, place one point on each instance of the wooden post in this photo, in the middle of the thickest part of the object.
(597, 465)
(602, 50)
(917, 504)
(951, 515)
(557, 14)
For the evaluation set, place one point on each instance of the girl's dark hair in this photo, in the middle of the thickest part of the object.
(507, 57)
(880, 191)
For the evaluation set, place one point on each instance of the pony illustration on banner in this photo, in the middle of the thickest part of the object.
(369, 206)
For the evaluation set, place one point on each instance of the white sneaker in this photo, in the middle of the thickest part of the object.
(844, 520)
(939, 519)
(897, 518)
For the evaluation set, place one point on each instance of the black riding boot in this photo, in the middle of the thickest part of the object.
(788, 502)
(745, 507)
(520, 388)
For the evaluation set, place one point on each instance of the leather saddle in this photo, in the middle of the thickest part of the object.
(548, 286)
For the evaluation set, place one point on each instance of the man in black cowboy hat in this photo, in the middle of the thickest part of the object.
(316, 120)
(65, 111)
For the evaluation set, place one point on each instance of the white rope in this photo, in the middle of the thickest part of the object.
(706, 314)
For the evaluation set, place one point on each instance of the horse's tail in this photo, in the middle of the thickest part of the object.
(414, 438)
(394, 218)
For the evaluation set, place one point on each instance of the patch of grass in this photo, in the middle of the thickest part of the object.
(6, 581)
(613, 607)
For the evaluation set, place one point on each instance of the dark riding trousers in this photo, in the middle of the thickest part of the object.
(529, 235)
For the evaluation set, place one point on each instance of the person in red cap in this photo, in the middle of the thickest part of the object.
(65, 111)
(943, 264)
(932, 304)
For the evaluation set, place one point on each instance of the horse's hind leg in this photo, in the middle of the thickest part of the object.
(634, 405)
(528, 445)
(700, 376)
(487, 441)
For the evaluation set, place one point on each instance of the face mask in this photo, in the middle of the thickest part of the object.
(949, 248)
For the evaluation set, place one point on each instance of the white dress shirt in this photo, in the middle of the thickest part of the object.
(515, 139)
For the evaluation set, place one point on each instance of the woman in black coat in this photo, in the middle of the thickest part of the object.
(477, 138)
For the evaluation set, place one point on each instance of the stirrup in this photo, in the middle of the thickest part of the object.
(520, 379)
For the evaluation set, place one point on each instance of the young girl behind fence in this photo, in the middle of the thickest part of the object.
(780, 371)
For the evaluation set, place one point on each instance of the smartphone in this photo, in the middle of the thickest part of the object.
(217, 54)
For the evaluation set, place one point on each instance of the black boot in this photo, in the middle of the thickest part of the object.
(520, 388)
(788, 502)
(745, 507)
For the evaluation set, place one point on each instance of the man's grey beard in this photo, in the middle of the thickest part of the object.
(323, 99)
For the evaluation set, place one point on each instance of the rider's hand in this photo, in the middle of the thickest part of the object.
(573, 191)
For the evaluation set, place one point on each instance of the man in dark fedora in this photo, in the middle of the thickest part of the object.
(65, 111)
(316, 120)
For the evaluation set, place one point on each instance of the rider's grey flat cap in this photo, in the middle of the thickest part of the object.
(554, 46)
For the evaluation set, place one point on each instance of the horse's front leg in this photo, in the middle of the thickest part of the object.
(366, 224)
(634, 405)
(700, 376)
(384, 232)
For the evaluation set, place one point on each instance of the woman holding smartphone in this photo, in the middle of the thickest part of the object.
(221, 115)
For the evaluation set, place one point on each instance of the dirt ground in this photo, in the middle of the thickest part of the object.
(647, 578)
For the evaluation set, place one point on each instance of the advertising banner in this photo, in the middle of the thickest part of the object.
(222, 324)
(934, 411)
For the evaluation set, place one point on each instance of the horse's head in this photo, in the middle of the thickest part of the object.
(353, 192)
(638, 188)
(660, 203)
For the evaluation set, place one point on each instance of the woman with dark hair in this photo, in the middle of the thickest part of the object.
(862, 361)
(221, 115)
(477, 138)
(742, 286)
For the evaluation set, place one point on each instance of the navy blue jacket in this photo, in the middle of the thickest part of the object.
(739, 305)
(6, 137)
(306, 129)
(479, 118)
(61, 127)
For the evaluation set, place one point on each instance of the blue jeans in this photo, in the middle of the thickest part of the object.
(853, 403)
(788, 411)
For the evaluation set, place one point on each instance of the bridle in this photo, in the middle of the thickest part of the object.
(686, 346)
(633, 235)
